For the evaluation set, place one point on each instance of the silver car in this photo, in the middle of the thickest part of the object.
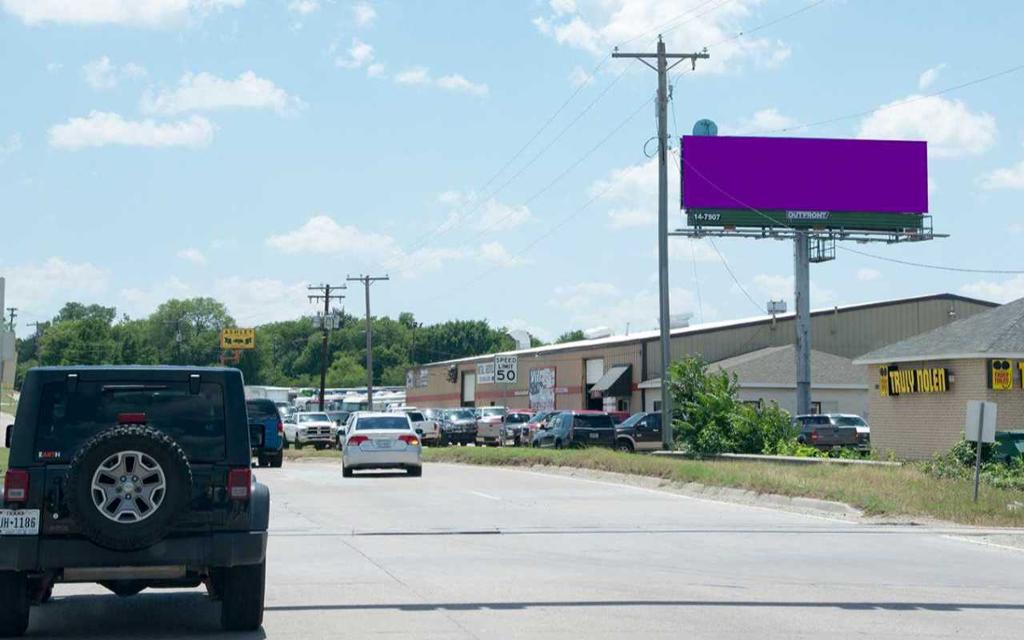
(381, 441)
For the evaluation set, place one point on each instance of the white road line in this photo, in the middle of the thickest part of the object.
(484, 495)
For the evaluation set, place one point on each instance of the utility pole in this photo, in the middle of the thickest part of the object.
(35, 326)
(14, 314)
(367, 281)
(662, 69)
(325, 294)
(802, 300)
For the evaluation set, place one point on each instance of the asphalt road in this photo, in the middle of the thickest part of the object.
(468, 552)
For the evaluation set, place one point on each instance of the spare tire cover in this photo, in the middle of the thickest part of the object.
(127, 487)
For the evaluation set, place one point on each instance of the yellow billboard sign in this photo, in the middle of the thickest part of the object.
(908, 381)
(235, 338)
(1000, 374)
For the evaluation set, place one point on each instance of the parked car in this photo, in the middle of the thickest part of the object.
(428, 430)
(269, 452)
(536, 421)
(339, 417)
(577, 429)
(310, 428)
(829, 430)
(459, 427)
(133, 478)
(489, 425)
(640, 432)
(381, 441)
(515, 425)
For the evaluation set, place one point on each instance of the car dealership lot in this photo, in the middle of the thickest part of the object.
(467, 552)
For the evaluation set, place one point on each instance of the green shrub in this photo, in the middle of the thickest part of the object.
(958, 464)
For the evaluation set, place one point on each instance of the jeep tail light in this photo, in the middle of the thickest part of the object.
(16, 485)
(239, 483)
(131, 418)
(357, 440)
(409, 439)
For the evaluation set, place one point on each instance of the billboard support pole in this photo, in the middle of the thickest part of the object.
(802, 299)
(664, 309)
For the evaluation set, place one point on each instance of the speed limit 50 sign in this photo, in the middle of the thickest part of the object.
(506, 369)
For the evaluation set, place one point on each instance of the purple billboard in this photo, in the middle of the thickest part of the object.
(804, 174)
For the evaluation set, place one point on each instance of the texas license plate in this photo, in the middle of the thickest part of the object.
(19, 522)
(382, 444)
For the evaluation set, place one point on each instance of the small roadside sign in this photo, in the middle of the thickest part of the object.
(235, 338)
(506, 369)
(981, 421)
(485, 373)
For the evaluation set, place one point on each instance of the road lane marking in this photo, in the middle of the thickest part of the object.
(484, 495)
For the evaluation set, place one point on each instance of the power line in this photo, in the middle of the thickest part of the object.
(770, 23)
(732, 275)
(893, 105)
(937, 267)
(664, 27)
(326, 294)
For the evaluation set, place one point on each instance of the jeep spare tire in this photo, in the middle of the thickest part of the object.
(127, 486)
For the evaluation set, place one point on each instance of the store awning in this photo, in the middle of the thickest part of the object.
(653, 383)
(615, 382)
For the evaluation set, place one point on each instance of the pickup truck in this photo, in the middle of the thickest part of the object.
(490, 425)
(831, 430)
(428, 429)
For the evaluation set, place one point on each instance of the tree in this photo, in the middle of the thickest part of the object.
(571, 336)
(345, 371)
(188, 331)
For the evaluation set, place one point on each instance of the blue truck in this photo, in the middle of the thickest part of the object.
(269, 453)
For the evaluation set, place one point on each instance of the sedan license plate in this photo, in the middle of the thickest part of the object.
(382, 444)
(19, 522)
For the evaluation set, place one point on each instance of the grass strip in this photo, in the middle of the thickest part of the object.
(879, 491)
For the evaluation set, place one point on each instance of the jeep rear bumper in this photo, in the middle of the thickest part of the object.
(225, 549)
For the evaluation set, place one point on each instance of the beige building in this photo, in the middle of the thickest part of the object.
(919, 387)
(620, 372)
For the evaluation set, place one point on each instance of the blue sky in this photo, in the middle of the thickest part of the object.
(244, 149)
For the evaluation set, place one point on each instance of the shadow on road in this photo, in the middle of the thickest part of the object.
(147, 615)
(513, 606)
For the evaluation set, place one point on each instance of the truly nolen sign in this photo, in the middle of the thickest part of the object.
(894, 381)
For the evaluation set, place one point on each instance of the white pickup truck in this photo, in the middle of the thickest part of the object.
(429, 430)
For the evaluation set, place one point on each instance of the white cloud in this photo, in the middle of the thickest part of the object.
(413, 75)
(766, 120)
(101, 73)
(252, 301)
(10, 146)
(139, 13)
(929, 76)
(359, 55)
(459, 84)
(497, 216)
(632, 192)
(100, 128)
(38, 289)
(304, 7)
(364, 14)
(580, 76)
(491, 215)
(686, 250)
(597, 304)
(206, 92)
(598, 25)
(1006, 178)
(495, 253)
(950, 128)
(137, 301)
(868, 275)
(193, 255)
(375, 70)
(1005, 291)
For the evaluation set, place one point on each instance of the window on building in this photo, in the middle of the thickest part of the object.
(815, 407)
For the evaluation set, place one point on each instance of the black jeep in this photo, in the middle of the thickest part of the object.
(132, 477)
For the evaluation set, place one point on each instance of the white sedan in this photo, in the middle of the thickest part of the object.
(310, 427)
(381, 441)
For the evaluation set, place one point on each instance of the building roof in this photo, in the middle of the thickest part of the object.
(773, 364)
(646, 336)
(998, 332)
(776, 367)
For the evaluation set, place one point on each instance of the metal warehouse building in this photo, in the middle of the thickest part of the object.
(620, 372)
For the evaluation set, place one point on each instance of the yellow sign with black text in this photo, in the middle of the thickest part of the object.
(1000, 374)
(235, 338)
(898, 382)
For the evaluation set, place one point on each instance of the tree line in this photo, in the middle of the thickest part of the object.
(287, 353)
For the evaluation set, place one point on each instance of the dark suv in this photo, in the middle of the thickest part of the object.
(577, 429)
(132, 477)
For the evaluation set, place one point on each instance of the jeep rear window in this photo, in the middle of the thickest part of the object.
(67, 419)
